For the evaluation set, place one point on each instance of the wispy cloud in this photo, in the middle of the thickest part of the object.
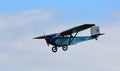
(25, 54)
(24, 18)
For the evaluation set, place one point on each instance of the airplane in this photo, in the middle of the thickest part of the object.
(69, 37)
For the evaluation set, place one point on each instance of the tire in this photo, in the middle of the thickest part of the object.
(65, 48)
(54, 49)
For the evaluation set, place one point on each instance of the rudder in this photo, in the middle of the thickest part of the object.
(95, 30)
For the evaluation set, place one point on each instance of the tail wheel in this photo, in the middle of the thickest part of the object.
(65, 48)
(54, 49)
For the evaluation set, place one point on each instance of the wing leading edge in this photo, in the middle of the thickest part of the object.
(42, 37)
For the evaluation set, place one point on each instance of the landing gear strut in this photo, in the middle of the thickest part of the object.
(64, 48)
(54, 49)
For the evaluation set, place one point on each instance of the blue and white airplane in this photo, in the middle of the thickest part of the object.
(66, 38)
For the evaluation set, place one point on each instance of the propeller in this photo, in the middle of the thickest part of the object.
(46, 39)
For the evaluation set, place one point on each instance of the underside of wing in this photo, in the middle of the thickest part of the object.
(76, 29)
(43, 37)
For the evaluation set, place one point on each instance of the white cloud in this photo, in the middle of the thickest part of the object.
(26, 54)
(24, 18)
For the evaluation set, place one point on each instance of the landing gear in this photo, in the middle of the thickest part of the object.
(54, 49)
(64, 48)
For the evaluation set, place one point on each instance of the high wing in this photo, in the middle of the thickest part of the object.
(42, 37)
(68, 32)
(76, 29)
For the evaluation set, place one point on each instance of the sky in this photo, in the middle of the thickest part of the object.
(22, 20)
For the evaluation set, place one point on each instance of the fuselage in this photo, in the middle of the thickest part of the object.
(66, 41)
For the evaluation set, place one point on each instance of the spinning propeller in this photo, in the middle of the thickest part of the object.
(46, 39)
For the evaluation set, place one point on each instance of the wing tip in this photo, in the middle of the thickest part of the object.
(38, 38)
(35, 38)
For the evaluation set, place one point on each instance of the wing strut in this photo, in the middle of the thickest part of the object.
(72, 38)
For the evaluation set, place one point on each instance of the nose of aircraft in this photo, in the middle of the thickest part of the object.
(46, 39)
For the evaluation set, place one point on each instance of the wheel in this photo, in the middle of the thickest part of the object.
(65, 48)
(54, 49)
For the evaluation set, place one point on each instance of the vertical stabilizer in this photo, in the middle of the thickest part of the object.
(95, 31)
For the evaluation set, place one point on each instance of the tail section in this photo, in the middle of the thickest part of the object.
(95, 31)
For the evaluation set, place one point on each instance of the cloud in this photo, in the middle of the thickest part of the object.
(24, 18)
(116, 16)
(22, 53)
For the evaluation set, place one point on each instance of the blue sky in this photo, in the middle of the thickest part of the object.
(76, 5)
(84, 9)
(22, 20)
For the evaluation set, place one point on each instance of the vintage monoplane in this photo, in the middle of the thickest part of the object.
(66, 38)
